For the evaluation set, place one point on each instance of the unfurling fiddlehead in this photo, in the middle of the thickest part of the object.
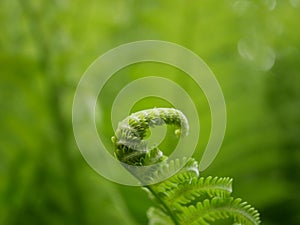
(185, 198)
(130, 146)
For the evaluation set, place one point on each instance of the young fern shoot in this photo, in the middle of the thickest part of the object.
(130, 146)
(185, 198)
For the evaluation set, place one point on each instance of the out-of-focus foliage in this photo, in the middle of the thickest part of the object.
(252, 46)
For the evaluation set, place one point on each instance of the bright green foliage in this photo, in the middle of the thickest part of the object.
(47, 45)
(185, 198)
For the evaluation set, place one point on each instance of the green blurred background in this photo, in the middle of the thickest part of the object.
(253, 47)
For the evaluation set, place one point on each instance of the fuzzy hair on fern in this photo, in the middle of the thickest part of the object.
(186, 198)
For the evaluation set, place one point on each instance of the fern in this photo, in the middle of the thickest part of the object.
(219, 208)
(185, 198)
(184, 189)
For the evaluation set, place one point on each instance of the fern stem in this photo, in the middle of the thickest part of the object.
(164, 205)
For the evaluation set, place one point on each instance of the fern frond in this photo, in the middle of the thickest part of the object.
(174, 166)
(186, 186)
(184, 198)
(219, 208)
(184, 189)
(130, 147)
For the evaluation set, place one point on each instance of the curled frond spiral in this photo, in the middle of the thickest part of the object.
(130, 146)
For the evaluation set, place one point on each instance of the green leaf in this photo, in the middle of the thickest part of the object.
(187, 191)
(220, 208)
